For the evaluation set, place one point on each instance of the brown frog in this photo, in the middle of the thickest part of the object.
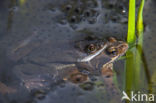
(97, 56)
(100, 54)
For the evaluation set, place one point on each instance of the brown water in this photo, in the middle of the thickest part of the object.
(36, 39)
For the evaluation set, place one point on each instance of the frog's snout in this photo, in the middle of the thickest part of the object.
(123, 48)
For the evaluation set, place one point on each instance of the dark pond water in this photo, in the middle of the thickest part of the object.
(37, 52)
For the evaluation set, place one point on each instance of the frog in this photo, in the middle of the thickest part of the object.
(100, 53)
(97, 55)
(94, 54)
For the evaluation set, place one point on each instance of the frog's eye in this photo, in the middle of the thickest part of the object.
(91, 48)
(111, 50)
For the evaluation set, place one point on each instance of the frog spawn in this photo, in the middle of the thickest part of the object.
(75, 13)
(118, 13)
(79, 12)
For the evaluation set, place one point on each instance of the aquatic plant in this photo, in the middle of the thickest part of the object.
(134, 54)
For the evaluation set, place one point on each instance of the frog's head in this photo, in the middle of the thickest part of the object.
(97, 48)
(115, 48)
(101, 53)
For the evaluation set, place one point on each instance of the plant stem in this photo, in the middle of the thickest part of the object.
(131, 23)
